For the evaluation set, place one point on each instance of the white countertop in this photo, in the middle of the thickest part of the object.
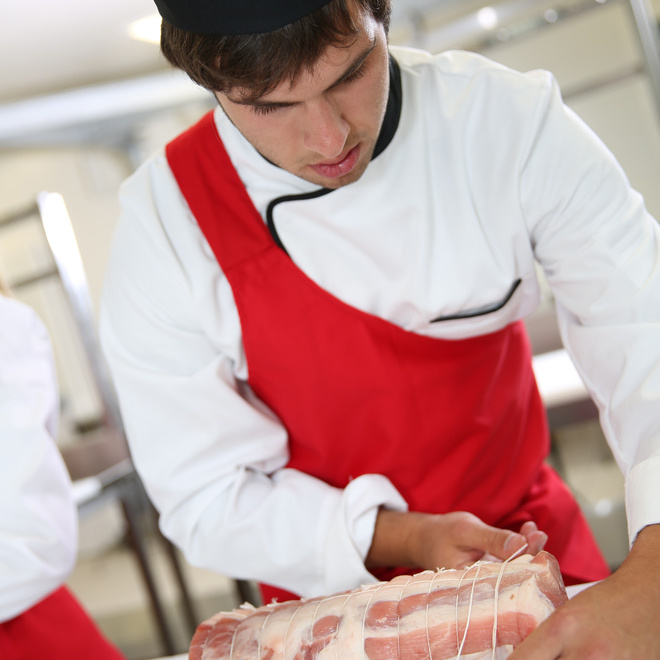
(558, 380)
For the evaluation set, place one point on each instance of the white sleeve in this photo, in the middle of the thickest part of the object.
(38, 520)
(212, 458)
(600, 250)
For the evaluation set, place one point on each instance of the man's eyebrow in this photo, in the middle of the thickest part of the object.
(355, 66)
(357, 63)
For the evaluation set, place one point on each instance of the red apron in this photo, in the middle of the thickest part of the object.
(56, 628)
(455, 425)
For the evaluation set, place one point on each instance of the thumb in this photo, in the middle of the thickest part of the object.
(503, 543)
(488, 540)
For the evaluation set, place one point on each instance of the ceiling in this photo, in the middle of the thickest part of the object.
(68, 67)
(70, 72)
(48, 46)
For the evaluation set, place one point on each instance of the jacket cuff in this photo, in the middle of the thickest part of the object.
(351, 530)
(643, 496)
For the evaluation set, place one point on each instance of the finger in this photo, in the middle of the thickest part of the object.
(536, 539)
(528, 528)
(541, 644)
(536, 542)
(473, 538)
(476, 539)
(514, 544)
(503, 543)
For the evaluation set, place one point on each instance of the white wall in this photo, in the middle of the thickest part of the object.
(582, 50)
(88, 178)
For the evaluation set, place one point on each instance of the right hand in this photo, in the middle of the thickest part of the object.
(451, 540)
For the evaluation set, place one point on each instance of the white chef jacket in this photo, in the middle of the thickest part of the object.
(38, 520)
(487, 174)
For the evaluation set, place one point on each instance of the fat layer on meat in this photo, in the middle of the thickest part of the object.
(433, 615)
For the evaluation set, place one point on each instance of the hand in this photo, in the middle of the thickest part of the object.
(616, 619)
(451, 540)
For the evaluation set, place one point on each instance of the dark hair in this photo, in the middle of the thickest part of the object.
(260, 62)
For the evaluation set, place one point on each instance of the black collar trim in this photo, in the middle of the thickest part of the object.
(392, 111)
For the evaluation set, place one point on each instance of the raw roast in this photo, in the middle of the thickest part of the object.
(480, 612)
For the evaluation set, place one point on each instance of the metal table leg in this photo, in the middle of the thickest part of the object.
(136, 539)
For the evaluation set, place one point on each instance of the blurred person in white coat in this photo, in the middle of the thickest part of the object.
(39, 616)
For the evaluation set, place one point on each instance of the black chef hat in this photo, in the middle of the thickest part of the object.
(235, 16)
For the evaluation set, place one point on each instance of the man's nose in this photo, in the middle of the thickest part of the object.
(326, 130)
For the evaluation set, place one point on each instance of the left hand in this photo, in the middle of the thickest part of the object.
(450, 540)
(616, 619)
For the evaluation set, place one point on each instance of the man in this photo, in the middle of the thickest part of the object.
(313, 310)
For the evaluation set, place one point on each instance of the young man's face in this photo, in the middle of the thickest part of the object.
(323, 128)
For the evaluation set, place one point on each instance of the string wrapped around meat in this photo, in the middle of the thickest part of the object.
(482, 612)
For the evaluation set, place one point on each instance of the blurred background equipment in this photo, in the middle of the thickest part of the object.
(43, 265)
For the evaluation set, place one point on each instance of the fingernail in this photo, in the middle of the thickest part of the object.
(514, 542)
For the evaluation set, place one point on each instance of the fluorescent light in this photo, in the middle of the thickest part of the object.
(62, 240)
(146, 29)
(487, 18)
